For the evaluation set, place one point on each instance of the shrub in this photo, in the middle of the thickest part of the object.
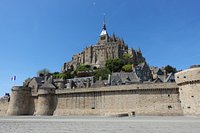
(103, 73)
(114, 65)
(127, 68)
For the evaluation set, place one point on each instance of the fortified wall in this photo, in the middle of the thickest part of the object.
(137, 99)
(189, 88)
(3, 105)
(180, 98)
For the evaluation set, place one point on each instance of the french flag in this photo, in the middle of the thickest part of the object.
(13, 78)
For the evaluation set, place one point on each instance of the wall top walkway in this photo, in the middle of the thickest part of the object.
(144, 86)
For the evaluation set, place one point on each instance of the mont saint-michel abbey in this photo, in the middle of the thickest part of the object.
(145, 90)
(107, 47)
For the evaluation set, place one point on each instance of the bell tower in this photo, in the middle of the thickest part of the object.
(104, 35)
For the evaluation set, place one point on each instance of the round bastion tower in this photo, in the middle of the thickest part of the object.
(46, 99)
(19, 101)
(189, 89)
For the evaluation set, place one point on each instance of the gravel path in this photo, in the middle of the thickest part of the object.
(90, 124)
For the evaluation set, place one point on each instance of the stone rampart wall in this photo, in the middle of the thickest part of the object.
(142, 99)
(139, 99)
(33, 105)
(3, 106)
(189, 88)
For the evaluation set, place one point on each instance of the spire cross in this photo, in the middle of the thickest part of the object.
(103, 32)
(104, 18)
(104, 22)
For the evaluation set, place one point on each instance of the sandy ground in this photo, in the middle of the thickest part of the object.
(90, 124)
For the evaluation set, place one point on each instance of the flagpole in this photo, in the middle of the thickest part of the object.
(13, 78)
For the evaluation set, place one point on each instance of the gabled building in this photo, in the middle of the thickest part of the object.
(143, 71)
(122, 78)
(161, 76)
(35, 83)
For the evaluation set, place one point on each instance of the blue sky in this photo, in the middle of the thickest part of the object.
(46, 33)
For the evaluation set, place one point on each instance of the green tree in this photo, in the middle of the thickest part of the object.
(56, 75)
(127, 68)
(83, 67)
(65, 75)
(83, 71)
(43, 72)
(114, 65)
(170, 69)
(68, 75)
(103, 73)
(128, 59)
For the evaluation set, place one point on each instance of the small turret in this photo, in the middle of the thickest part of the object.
(46, 98)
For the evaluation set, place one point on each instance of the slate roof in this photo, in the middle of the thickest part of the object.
(47, 85)
(124, 77)
(141, 65)
(156, 69)
(157, 81)
(39, 80)
(161, 78)
(170, 77)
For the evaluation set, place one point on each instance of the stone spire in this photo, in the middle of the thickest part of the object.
(104, 32)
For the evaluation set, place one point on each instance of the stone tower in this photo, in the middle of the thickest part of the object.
(19, 101)
(103, 38)
(189, 89)
(46, 99)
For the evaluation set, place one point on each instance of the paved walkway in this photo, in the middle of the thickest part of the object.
(79, 124)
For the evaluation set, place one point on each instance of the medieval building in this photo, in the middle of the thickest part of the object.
(144, 91)
(107, 47)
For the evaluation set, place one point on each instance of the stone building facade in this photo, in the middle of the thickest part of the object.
(177, 98)
(107, 47)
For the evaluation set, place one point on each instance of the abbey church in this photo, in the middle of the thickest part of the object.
(107, 47)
